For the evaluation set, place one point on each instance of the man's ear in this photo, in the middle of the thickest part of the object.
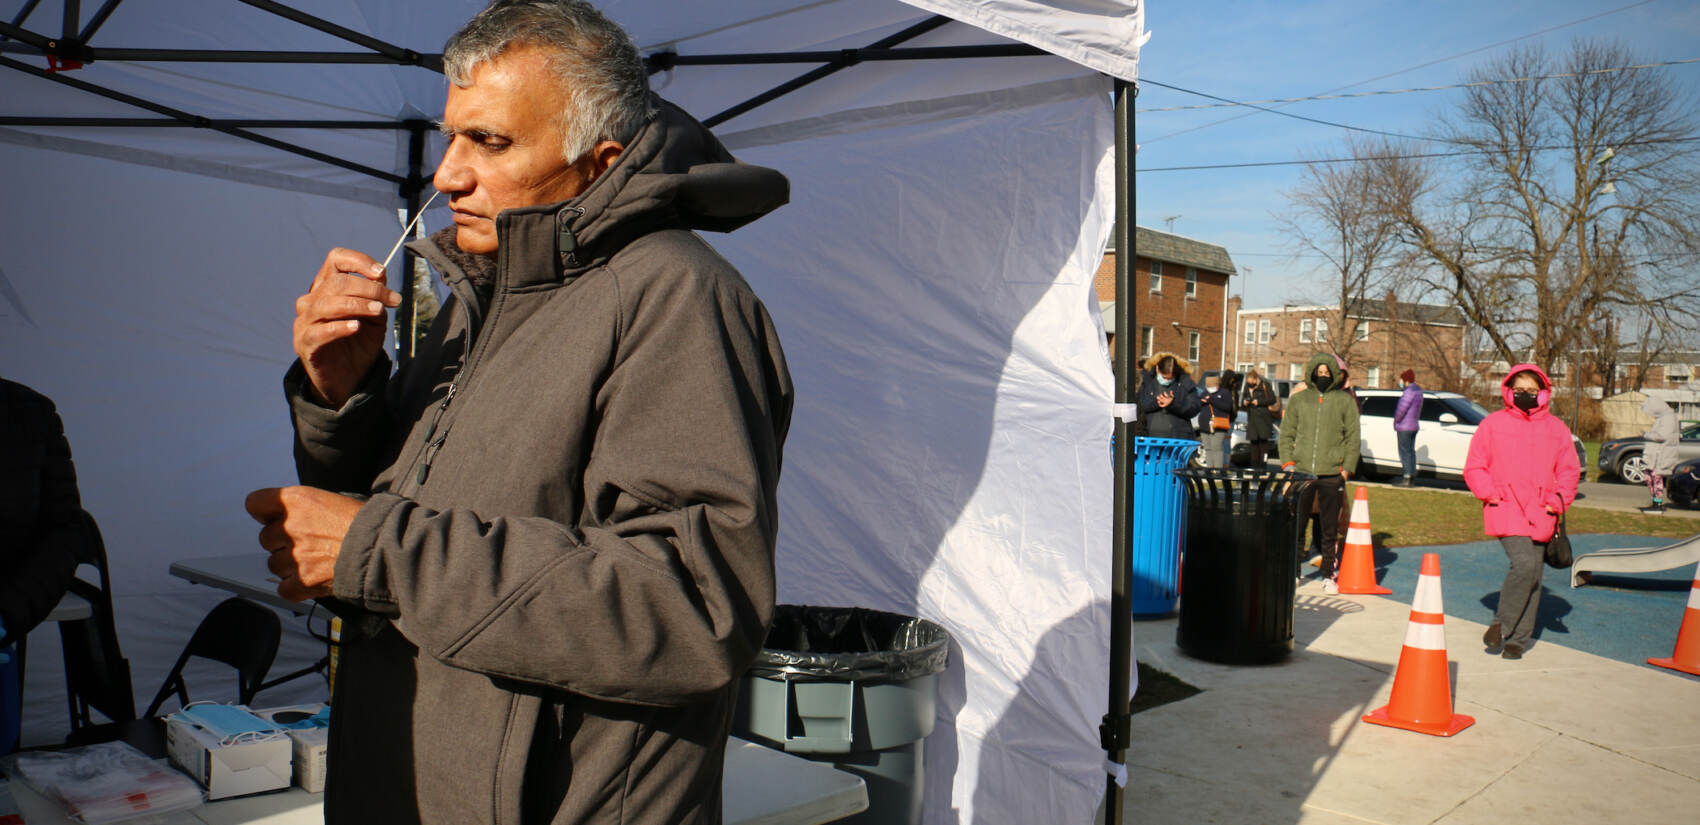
(602, 156)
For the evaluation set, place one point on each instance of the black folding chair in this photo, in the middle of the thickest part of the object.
(97, 676)
(237, 632)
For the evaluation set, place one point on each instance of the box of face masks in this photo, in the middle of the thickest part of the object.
(309, 732)
(228, 749)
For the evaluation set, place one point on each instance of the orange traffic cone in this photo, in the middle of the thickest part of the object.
(1357, 562)
(1422, 687)
(1686, 658)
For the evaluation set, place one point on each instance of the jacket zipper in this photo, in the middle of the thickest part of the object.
(475, 326)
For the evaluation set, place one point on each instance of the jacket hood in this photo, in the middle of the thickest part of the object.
(1655, 407)
(1335, 366)
(1543, 400)
(673, 175)
(1181, 364)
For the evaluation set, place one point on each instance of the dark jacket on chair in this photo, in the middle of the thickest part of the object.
(42, 532)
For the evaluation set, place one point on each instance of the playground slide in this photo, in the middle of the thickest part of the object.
(1635, 560)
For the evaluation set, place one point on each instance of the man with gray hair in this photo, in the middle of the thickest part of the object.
(551, 534)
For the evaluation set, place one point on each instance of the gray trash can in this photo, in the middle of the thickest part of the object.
(1242, 545)
(853, 687)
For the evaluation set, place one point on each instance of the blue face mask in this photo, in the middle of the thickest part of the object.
(226, 721)
(1165, 381)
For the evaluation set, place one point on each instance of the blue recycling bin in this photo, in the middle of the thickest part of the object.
(1159, 521)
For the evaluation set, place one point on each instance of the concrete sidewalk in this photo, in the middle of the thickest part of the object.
(1561, 736)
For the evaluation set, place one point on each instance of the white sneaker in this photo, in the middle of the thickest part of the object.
(1330, 587)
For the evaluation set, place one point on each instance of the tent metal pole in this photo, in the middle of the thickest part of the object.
(1118, 722)
(98, 20)
(428, 61)
(405, 340)
(661, 61)
(173, 123)
(73, 19)
(838, 64)
(398, 53)
(201, 122)
(24, 13)
(23, 35)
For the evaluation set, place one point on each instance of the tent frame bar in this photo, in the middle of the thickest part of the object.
(166, 122)
(98, 20)
(200, 122)
(1116, 731)
(657, 62)
(837, 64)
(396, 53)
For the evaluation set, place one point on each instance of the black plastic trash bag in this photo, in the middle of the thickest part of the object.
(841, 644)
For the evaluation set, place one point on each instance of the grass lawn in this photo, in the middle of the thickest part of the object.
(1412, 518)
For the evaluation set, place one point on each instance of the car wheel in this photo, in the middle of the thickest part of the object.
(1632, 468)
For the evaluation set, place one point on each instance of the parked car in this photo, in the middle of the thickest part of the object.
(1446, 424)
(1621, 458)
(1239, 449)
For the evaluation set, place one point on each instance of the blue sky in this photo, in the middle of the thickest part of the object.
(1253, 51)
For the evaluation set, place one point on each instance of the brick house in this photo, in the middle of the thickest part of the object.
(1382, 339)
(1180, 297)
(1670, 370)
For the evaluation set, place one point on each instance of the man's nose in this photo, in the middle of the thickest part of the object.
(453, 175)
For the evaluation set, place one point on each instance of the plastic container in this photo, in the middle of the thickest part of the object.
(1242, 546)
(1159, 516)
(853, 687)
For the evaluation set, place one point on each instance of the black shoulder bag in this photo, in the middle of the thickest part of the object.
(1558, 549)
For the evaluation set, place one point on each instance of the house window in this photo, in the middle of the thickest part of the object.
(1321, 331)
(1191, 282)
(1363, 330)
(1373, 377)
(1147, 338)
(1294, 373)
(1242, 368)
(1265, 331)
(1156, 276)
(1304, 331)
(1192, 347)
(1250, 331)
(1676, 373)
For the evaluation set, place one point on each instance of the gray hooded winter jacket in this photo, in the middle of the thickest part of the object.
(1661, 450)
(566, 560)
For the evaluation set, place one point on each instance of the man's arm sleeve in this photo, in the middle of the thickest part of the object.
(340, 450)
(663, 593)
(49, 556)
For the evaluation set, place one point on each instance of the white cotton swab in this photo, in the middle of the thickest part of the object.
(409, 230)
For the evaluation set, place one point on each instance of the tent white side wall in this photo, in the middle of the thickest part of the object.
(932, 283)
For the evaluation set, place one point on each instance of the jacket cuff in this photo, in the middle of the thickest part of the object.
(315, 419)
(360, 576)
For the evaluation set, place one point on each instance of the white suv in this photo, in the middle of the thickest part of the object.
(1446, 424)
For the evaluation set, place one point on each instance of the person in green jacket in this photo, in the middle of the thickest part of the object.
(1319, 435)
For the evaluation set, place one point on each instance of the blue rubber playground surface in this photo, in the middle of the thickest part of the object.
(1627, 618)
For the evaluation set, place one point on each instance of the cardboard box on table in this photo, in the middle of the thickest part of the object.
(226, 770)
(307, 747)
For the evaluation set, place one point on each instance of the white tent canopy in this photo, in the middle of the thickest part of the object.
(932, 282)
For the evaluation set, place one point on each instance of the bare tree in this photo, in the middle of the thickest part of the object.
(1578, 200)
(1333, 213)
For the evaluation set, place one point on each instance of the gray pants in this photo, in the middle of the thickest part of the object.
(1520, 595)
(1215, 449)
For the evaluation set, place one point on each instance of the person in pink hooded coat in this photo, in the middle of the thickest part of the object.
(1523, 468)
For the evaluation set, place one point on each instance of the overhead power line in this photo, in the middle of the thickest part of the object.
(1448, 58)
(1411, 156)
(1227, 102)
(1256, 104)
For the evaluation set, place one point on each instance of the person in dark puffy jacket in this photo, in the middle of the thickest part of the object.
(1260, 404)
(1168, 398)
(41, 528)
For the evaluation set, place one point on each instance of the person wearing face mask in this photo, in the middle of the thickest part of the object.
(1260, 405)
(1319, 435)
(1523, 468)
(1168, 398)
(1218, 414)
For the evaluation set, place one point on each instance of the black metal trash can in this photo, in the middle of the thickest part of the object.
(1242, 546)
(853, 687)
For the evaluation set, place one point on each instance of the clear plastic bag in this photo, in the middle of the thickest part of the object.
(109, 782)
